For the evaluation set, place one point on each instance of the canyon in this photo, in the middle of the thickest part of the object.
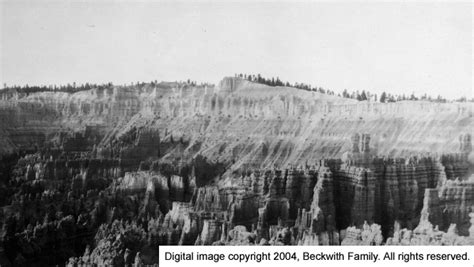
(104, 176)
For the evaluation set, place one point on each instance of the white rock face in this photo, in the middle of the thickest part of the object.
(253, 124)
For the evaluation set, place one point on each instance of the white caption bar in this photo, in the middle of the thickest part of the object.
(313, 255)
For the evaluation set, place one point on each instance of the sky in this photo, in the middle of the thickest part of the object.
(401, 47)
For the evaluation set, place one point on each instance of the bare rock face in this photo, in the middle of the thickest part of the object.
(397, 185)
(471, 229)
(211, 232)
(323, 208)
(109, 174)
(426, 234)
(136, 122)
(355, 193)
(116, 245)
(456, 165)
(369, 235)
(239, 236)
(465, 143)
(450, 203)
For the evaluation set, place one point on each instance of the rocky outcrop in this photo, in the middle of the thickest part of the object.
(423, 234)
(318, 225)
(211, 232)
(450, 203)
(116, 245)
(272, 116)
(396, 185)
(238, 236)
(426, 234)
(355, 195)
(239, 163)
(369, 235)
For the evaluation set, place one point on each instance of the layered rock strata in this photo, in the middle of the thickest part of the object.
(106, 175)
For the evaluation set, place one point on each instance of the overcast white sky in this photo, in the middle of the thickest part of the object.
(401, 47)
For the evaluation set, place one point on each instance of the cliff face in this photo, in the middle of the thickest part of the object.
(252, 124)
(125, 169)
(450, 203)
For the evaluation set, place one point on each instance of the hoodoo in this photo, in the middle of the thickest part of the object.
(102, 175)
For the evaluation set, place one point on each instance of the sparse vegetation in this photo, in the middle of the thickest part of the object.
(358, 95)
(363, 95)
(69, 88)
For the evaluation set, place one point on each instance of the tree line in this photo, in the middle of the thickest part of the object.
(277, 82)
(385, 97)
(363, 95)
(68, 88)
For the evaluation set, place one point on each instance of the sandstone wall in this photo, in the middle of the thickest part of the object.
(247, 122)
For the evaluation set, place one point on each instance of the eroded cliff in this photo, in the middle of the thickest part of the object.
(125, 168)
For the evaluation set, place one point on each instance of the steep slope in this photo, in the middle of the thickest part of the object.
(249, 123)
(104, 176)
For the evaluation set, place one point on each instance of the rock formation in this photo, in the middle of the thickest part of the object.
(104, 176)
